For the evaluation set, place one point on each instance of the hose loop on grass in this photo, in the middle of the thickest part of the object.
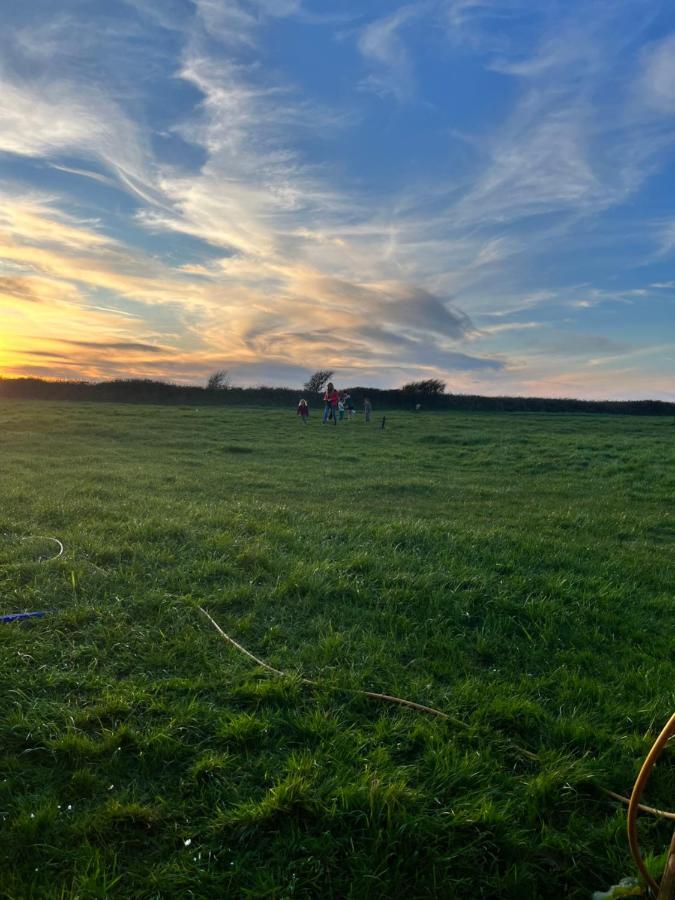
(42, 537)
(631, 826)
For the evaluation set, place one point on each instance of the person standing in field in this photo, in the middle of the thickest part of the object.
(330, 403)
(303, 411)
(341, 409)
(367, 409)
(349, 405)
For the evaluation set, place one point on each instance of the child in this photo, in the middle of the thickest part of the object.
(367, 409)
(341, 409)
(303, 411)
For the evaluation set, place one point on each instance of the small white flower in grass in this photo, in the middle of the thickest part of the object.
(187, 842)
(32, 815)
(69, 807)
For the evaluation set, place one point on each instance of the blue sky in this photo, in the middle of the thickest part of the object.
(477, 190)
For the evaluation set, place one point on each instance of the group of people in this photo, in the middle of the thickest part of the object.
(336, 406)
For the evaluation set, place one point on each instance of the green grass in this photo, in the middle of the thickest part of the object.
(515, 571)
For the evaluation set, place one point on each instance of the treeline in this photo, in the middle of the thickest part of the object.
(133, 390)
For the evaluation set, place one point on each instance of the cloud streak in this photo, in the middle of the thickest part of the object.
(45, 119)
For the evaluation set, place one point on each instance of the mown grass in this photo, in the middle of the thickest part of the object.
(515, 571)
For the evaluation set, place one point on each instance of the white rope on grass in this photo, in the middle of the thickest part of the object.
(17, 617)
(40, 537)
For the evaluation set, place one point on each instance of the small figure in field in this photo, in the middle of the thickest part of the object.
(330, 403)
(341, 409)
(349, 406)
(367, 409)
(303, 411)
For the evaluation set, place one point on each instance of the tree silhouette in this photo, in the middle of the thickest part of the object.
(432, 387)
(219, 381)
(316, 382)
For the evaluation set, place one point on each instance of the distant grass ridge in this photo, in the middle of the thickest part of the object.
(515, 572)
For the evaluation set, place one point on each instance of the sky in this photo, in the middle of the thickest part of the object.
(481, 191)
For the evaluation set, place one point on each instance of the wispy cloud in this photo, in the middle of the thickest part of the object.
(236, 22)
(254, 187)
(128, 346)
(45, 119)
(84, 173)
(667, 239)
(18, 289)
(40, 222)
(507, 326)
(384, 49)
(658, 76)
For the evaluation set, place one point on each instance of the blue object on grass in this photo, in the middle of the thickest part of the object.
(16, 617)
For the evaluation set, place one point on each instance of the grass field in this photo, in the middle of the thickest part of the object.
(515, 571)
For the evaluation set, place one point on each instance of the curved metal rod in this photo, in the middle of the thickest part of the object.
(639, 786)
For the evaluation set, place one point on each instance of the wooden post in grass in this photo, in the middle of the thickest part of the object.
(667, 887)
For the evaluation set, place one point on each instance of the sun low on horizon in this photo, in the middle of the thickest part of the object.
(480, 191)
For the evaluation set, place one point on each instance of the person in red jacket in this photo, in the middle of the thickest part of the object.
(330, 402)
